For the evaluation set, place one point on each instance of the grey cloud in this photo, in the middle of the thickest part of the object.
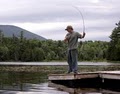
(43, 11)
(48, 13)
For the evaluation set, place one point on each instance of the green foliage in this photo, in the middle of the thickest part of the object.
(4, 52)
(90, 50)
(20, 49)
(114, 45)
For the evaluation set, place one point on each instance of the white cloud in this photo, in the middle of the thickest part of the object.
(49, 17)
(95, 1)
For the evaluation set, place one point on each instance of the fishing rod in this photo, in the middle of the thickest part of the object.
(79, 11)
(83, 21)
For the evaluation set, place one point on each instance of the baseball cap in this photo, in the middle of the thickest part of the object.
(69, 27)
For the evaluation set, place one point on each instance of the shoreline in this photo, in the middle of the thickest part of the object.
(55, 63)
(56, 69)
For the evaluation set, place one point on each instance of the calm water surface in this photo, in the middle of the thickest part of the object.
(36, 83)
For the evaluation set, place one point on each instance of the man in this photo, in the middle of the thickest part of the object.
(72, 39)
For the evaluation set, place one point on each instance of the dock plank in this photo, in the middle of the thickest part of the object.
(72, 76)
(85, 75)
(110, 75)
(61, 77)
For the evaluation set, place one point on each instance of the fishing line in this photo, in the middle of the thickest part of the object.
(81, 16)
(83, 21)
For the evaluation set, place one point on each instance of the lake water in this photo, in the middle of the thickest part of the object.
(36, 83)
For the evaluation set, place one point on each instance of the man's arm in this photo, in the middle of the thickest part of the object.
(66, 39)
(81, 35)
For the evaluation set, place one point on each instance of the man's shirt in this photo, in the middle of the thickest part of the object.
(73, 40)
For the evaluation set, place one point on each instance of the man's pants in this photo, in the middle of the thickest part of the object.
(72, 60)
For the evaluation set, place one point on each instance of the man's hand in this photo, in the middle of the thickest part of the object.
(65, 40)
(83, 34)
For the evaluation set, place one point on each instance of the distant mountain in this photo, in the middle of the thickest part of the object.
(9, 30)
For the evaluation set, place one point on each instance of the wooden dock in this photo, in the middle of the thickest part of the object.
(86, 75)
(94, 79)
(84, 90)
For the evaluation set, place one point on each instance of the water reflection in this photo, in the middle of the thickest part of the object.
(34, 89)
(18, 80)
(83, 90)
(36, 83)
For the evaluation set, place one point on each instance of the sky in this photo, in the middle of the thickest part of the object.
(49, 18)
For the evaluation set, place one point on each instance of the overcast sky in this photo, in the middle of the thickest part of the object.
(49, 18)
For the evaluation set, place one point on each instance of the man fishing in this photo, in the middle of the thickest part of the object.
(72, 56)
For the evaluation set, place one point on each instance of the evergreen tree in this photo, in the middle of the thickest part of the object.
(114, 45)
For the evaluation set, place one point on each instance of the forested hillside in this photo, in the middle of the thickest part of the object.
(21, 49)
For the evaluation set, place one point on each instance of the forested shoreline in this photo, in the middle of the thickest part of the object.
(22, 49)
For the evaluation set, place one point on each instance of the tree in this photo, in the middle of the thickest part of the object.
(38, 54)
(21, 36)
(4, 53)
(114, 45)
(27, 55)
(21, 49)
(1, 36)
